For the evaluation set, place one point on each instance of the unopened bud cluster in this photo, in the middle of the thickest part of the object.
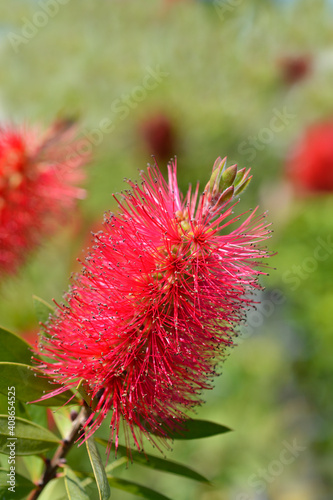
(226, 183)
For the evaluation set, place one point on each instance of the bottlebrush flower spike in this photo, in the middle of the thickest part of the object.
(38, 187)
(156, 304)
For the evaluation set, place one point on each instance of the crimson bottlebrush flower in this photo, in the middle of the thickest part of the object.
(38, 187)
(310, 163)
(154, 309)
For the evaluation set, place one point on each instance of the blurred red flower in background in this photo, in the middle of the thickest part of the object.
(159, 135)
(310, 163)
(294, 68)
(38, 187)
(154, 308)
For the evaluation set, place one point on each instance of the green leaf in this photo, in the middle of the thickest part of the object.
(88, 477)
(34, 413)
(42, 309)
(29, 438)
(20, 408)
(30, 384)
(34, 465)
(192, 429)
(195, 429)
(74, 489)
(136, 489)
(98, 468)
(62, 418)
(13, 348)
(81, 390)
(23, 486)
(54, 490)
(158, 463)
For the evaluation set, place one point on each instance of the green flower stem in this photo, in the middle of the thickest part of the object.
(61, 452)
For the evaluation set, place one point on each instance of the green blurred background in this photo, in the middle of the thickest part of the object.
(216, 76)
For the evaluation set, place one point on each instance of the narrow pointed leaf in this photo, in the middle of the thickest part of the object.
(42, 309)
(192, 429)
(98, 469)
(29, 438)
(30, 384)
(13, 348)
(195, 429)
(136, 489)
(74, 489)
(22, 488)
(158, 463)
